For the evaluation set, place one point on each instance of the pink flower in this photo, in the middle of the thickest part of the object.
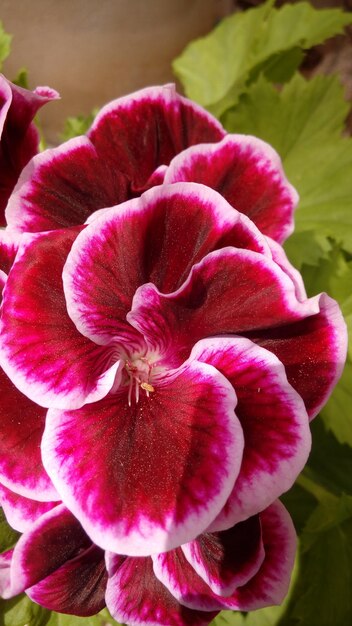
(151, 313)
(168, 329)
(19, 137)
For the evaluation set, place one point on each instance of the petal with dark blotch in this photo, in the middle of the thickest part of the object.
(62, 187)
(41, 349)
(77, 587)
(140, 132)
(22, 512)
(248, 173)
(135, 596)
(226, 560)
(230, 291)
(147, 477)
(268, 585)
(313, 352)
(274, 421)
(22, 427)
(55, 538)
(155, 238)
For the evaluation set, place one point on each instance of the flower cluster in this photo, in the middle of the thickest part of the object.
(160, 364)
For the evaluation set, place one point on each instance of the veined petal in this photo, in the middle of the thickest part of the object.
(77, 587)
(41, 349)
(138, 133)
(22, 512)
(9, 243)
(230, 291)
(135, 596)
(147, 477)
(226, 560)
(146, 240)
(274, 421)
(313, 352)
(55, 538)
(248, 173)
(22, 427)
(62, 187)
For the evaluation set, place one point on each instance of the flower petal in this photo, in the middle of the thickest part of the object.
(313, 352)
(135, 596)
(5, 578)
(147, 477)
(146, 240)
(55, 538)
(41, 350)
(62, 187)
(138, 133)
(248, 173)
(77, 587)
(19, 137)
(230, 291)
(268, 586)
(274, 421)
(22, 512)
(225, 560)
(22, 427)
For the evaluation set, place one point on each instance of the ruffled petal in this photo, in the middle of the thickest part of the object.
(156, 238)
(22, 427)
(21, 513)
(274, 421)
(19, 137)
(230, 291)
(313, 352)
(62, 187)
(41, 350)
(147, 477)
(138, 133)
(136, 597)
(248, 173)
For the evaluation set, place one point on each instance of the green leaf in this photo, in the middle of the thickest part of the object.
(22, 78)
(59, 619)
(337, 413)
(75, 126)
(21, 611)
(8, 536)
(308, 247)
(216, 69)
(306, 131)
(5, 44)
(329, 462)
(322, 596)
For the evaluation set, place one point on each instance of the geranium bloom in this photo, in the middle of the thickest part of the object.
(152, 335)
(151, 309)
(19, 138)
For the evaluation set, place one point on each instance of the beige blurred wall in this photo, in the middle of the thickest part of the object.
(92, 51)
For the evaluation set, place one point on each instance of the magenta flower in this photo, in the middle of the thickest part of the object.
(19, 137)
(161, 364)
(168, 329)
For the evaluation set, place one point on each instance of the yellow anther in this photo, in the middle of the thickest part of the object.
(147, 387)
